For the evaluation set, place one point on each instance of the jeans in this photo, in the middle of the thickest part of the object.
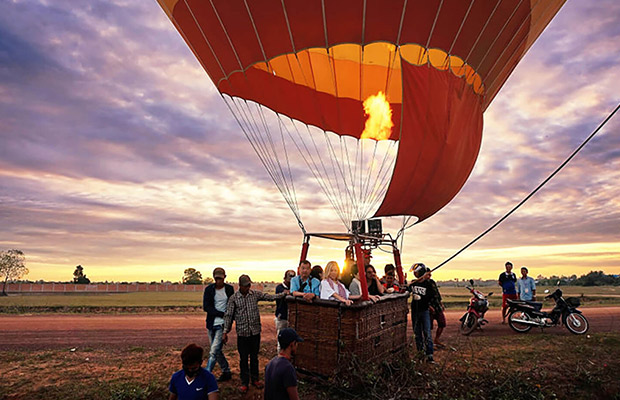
(248, 346)
(280, 324)
(215, 353)
(421, 322)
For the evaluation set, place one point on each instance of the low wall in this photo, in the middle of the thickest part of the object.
(105, 288)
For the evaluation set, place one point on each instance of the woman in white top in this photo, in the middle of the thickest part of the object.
(331, 288)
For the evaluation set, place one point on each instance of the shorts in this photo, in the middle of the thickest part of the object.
(506, 297)
(440, 317)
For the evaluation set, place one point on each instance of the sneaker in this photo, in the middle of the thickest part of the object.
(243, 389)
(430, 360)
(226, 376)
(258, 384)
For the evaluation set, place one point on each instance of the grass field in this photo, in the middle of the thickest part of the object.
(161, 301)
(140, 299)
(535, 366)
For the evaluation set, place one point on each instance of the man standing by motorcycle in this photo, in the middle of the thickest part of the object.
(507, 280)
(526, 286)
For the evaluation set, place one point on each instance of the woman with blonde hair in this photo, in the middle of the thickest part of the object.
(331, 287)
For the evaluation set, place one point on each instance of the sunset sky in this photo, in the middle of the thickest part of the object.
(117, 153)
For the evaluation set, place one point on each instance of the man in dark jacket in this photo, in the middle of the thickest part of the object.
(281, 305)
(423, 293)
(214, 302)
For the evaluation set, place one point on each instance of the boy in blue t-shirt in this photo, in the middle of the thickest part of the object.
(193, 382)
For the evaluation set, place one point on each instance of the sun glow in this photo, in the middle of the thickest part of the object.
(379, 123)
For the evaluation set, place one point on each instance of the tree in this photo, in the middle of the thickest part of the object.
(208, 280)
(12, 266)
(596, 278)
(192, 277)
(78, 275)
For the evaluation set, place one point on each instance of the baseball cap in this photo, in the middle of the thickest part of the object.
(288, 336)
(219, 273)
(244, 280)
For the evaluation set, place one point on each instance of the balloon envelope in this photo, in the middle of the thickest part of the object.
(437, 63)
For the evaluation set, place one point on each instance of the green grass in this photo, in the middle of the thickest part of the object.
(146, 299)
(454, 297)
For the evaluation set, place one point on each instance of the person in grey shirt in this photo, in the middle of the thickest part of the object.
(356, 286)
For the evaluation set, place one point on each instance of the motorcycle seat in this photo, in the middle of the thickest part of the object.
(534, 304)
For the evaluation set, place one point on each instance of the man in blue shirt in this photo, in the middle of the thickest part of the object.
(193, 382)
(304, 285)
(526, 286)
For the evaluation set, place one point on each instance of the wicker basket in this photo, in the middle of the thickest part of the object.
(334, 333)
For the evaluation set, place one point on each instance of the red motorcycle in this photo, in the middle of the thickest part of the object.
(477, 307)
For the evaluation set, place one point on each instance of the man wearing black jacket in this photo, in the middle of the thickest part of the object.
(281, 305)
(423, 293)
(214, 302)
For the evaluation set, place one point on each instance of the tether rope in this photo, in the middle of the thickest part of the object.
(558, 169)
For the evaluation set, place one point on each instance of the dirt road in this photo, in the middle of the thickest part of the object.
(48, 331)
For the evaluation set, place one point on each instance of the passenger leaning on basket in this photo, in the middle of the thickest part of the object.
(303, 285)
(356, 286)
(374, 286)
(331, 288)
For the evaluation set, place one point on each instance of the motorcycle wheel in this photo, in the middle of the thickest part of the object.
(518, 326)
(576, 323)
(468, 325)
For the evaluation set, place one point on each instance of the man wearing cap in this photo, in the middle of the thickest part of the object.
(281, 305)
(214, 302)
(280, 375)
(243, 310)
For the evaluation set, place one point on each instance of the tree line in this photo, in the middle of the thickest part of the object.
(12, 267)
(592, 278)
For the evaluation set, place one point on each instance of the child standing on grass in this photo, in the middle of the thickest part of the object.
(193, 382)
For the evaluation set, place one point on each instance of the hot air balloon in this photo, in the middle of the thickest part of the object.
(382, 99)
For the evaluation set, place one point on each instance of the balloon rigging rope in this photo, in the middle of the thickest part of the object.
(261, 155)
(558, 169)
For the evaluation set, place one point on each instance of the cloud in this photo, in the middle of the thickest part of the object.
(118, 154)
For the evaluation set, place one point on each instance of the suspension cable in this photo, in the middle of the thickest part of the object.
(558, 169)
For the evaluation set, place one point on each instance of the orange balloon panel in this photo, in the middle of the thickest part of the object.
(438, 62)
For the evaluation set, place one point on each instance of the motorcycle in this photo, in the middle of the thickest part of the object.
(477, 307)
(523, 315)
